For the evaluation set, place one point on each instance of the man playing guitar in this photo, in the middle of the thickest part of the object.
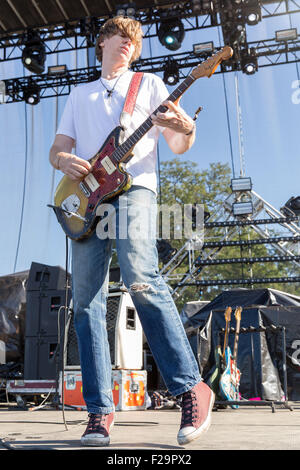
(91, 113)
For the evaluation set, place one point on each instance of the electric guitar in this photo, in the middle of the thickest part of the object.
(76, 202)
(230, 379)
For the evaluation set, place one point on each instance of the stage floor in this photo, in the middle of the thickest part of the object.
(244, 429)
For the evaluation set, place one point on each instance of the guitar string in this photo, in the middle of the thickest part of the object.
(124, 148)
(146, 125)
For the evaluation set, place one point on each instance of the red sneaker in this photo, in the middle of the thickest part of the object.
(97, 431)
(197, 406)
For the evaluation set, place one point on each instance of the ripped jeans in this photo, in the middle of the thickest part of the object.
(134, 212)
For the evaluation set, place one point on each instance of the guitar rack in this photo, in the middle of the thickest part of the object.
(271, 403)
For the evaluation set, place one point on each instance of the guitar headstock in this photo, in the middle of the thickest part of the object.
(207, 68)
(237, 313)
(228, 314)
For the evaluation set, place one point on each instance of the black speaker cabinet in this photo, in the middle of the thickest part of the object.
(42, 358)
(44, 277)
(44, 312)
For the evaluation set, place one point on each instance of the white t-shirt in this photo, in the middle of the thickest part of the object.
(90, 116)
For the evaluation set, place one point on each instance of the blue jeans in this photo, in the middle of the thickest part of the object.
(138, 260)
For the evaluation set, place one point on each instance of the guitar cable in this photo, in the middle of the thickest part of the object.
(64, 336)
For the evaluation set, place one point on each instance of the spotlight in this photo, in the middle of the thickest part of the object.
(286, 35)
(242, 208)
(57, 70)
(32, 95)
(34, 54)
(196, 6)
(235, 34)
(252, 12)
(292, 206)
(207, 6)
(249, 61)
(129, 10)
(203, 48)
(171, 33)
(171, 73)
(241, 184)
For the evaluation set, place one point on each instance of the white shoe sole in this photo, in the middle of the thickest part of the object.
(205, 426)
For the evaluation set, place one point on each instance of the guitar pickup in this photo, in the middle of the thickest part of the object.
(89, 184)
(84, 189)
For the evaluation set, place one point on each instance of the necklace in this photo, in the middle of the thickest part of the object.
(110, 91)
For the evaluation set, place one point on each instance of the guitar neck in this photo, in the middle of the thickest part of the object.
(226, 337)
(128, 145)
(236, 339)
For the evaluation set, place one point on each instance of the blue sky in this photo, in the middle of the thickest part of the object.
(270, 125)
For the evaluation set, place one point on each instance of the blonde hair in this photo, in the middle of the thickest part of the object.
(121, 25)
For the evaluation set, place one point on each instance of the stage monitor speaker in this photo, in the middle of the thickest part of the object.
(125, 334)
(44, 277)
(43, 312)
(42, 358)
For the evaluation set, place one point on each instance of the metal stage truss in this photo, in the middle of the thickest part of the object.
(60, 32)
(266, 225)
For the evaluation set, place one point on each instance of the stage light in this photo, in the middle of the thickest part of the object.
(241, 184)
(202, 6)
(207, 5)
(252, 12)
(292, 206)
(242, 208)
(196, 6)
(128, 10)
(286, 35)
(57, 70)
(238, 34)
(171, 73)
(34, 54)
(32, 95)
(171, 33)
(249, 61)
(260, 280)
(203, 48)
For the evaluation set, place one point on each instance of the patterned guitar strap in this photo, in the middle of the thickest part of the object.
(130, 101)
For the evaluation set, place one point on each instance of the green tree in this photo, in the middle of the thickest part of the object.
(182, 182)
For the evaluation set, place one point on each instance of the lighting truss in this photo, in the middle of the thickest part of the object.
(258, 241)
(81, 34)
(232, 282)
(285, 244)
(269, 55)
(246, 260)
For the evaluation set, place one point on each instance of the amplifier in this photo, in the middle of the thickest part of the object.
(124, 330)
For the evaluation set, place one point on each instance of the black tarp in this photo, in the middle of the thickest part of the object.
(12, 314)
(259, 353)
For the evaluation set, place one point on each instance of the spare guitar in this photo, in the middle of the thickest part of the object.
(230, 379)
(76, 202)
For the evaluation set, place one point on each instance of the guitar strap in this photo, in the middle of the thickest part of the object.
(130, 101)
